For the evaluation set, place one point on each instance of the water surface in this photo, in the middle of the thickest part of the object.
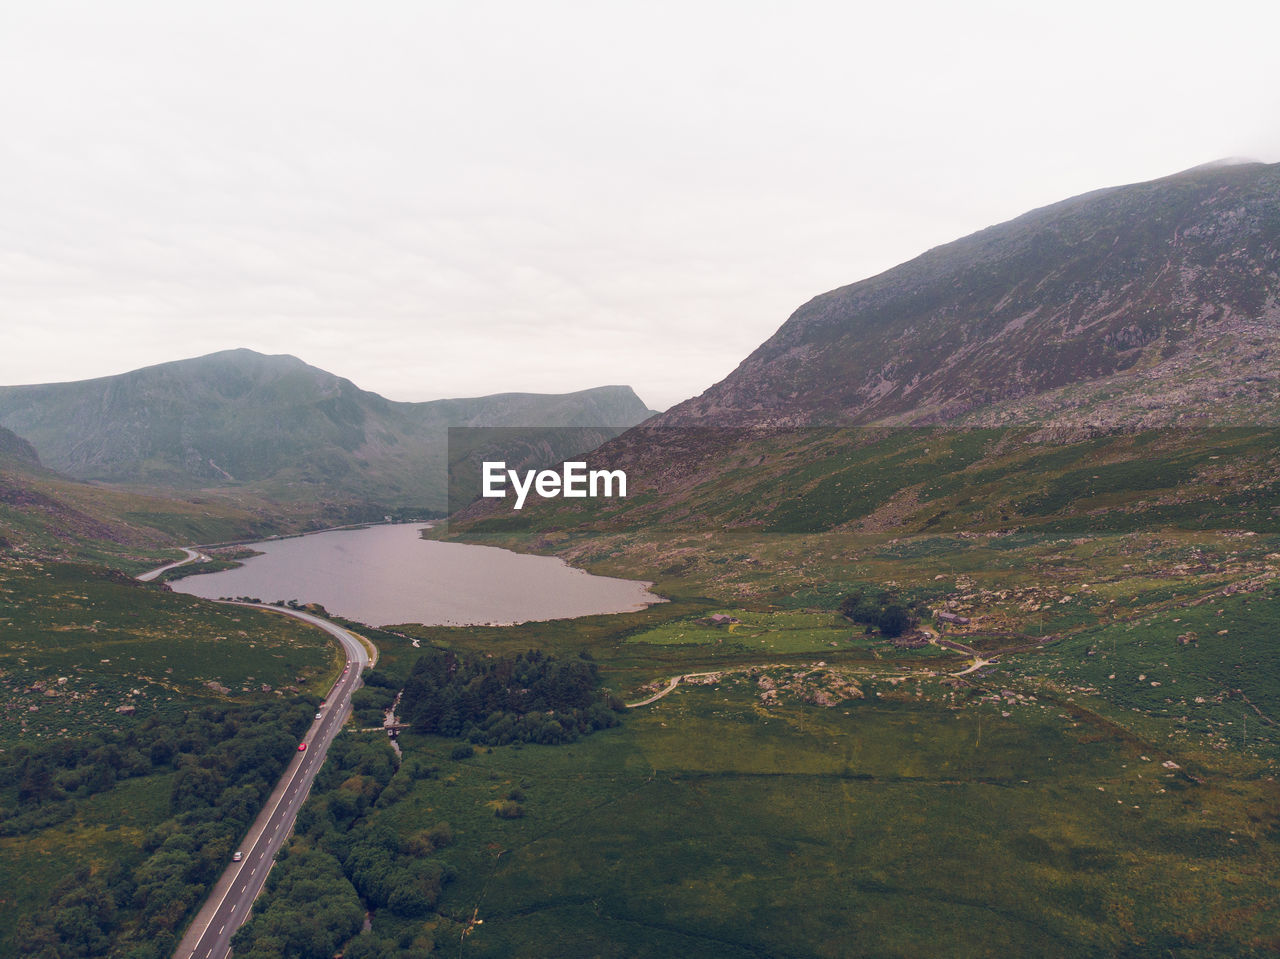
(388, 574)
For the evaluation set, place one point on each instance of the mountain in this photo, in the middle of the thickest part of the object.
(14, 449)
(1022, 377)
(276, 425)
(1135, 305)
(46, 514)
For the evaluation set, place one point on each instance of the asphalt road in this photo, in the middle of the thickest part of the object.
(227, 908)
(209, 936)
(192, 556)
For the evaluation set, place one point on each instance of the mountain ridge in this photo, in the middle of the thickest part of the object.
(1118, 280)
(240, 417)
(1082, 331)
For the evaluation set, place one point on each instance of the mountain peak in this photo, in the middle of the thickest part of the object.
(1223, 162)
(287, 429)
(1130, 303)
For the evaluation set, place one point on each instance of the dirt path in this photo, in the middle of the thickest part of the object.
(674, 682)
(978, 663)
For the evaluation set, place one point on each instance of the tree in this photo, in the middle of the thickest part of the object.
(894, 620)
(37, 783)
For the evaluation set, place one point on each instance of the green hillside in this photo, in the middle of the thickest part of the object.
(274, 427)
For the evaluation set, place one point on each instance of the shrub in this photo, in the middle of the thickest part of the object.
(508, 810)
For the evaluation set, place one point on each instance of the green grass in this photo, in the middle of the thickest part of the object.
(782, 632)
(708, 825)
(107, 828)
(923, 822)
(916, 820)
(76, 642)
(1204, 692)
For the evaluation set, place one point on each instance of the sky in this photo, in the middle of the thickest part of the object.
(439, 199)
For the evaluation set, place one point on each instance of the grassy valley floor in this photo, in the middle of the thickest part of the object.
(898, 824)
(813, 790)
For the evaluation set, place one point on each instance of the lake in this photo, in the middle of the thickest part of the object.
(383, 575)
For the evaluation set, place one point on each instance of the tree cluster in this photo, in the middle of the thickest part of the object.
(370, 703)
(530, 697)
(53, 776)
(882, 611)
(351, 865)
(83, 914)
(308, 911)
(222, 761)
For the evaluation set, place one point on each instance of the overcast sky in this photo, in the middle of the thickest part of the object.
(452, 199)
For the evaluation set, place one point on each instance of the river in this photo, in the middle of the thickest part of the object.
(384, 575)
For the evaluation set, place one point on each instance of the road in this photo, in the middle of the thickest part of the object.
(209, 936)
(192, 556)
(227, 908)
(978, 663)
(675, 681)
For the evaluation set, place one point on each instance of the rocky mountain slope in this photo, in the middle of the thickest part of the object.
(1138, 305)
(14, 449)
(273, 423)
(1022, 377)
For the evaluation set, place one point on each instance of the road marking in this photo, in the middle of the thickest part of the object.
(346, 684)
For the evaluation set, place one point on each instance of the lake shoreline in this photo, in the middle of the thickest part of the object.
(387, 574)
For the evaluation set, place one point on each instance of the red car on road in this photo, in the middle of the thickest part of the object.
(302, 747)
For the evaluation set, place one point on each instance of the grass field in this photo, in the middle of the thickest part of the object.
(780, 632)
(108, 828)
(77, 642)
(1215, 688)
(1031, 811)
(1102, 789)
(709, 825)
